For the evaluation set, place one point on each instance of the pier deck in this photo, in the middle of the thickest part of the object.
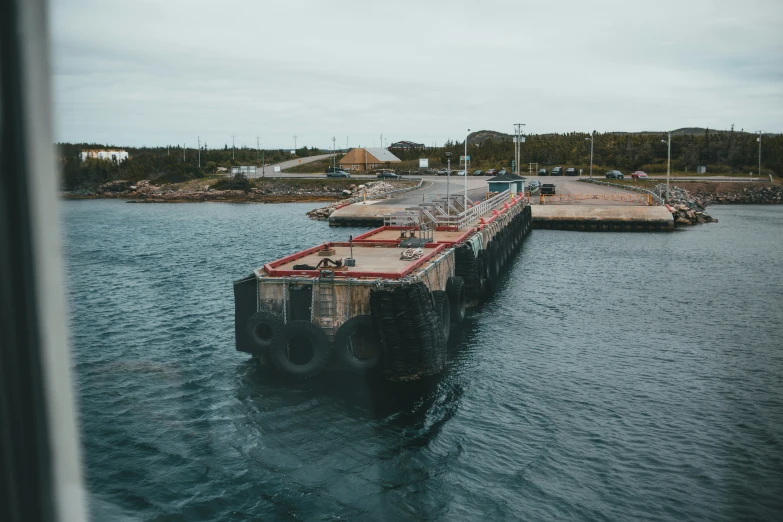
(602, 217)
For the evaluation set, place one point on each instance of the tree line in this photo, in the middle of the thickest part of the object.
(721, 152)
(171, 164)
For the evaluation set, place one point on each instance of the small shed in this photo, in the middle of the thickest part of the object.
(512, 182)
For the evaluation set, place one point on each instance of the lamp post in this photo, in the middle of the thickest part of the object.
(591, 138)
(759, 140)
(334, 151)
(448, 176)
(465, 200)
(668, 163)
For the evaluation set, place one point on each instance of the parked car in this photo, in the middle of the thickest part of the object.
(571, 171)
(533, 185)
(462, 173)
(639, 174)
(337, 174)
(556, 171)
(548, 188)
(491, 172)
(502, 172)
(614, 174)
(442, 172)
(387, 175)
(478, 172)
(542, 172)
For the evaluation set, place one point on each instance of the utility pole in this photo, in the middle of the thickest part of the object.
(334, 151)
(183, 153)
(199, 152)
(346, 144)
(233, 146)
(258, 148)
(294, 143)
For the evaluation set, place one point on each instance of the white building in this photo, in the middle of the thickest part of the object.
(105, 154)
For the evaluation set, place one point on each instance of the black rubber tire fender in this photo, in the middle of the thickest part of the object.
(455, 287)
(482, 280)
(345, 339)
(443, 311)
(304, 330)
(262, 327)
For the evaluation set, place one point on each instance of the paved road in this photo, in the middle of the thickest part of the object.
(571, 185)
(269, 170)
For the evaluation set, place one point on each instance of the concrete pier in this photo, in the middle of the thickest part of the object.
(603, 218)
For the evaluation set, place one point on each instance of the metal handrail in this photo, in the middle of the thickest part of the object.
(475, 212)
(655, 196)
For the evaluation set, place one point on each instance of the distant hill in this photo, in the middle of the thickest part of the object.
(481, 136)
(489, 135)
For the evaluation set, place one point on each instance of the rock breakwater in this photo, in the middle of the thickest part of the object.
(368, 190)
(271, 191)
(686, 208)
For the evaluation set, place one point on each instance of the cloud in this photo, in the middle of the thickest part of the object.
(147, 73)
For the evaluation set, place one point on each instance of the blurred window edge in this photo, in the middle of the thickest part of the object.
(41, 466)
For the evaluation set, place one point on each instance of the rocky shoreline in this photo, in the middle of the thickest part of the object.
(368, 190)
(264, 192)
(688, 207)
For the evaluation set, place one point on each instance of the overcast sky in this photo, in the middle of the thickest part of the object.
(131, 72)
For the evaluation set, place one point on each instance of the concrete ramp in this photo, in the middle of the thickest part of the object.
(603, 218)
(370, 213)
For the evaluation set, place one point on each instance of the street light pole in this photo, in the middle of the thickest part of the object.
(334, 152)
(759, 140)
(668, 163)
(448, 177)
(199, 152)
(465, 200)
(591, 138)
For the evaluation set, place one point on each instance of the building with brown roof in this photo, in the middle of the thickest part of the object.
(368, 159)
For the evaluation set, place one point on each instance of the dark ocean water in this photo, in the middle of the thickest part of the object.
(613, 377)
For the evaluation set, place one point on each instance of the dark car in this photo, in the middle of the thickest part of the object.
(337, 174)
(533, 185)
(571, 171)
(614, 174)
(387, 175)
(556, 171)
(548, 188)
(542, 172)
(491, 172)
(478, 172)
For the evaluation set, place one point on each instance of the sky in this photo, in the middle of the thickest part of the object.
(137, 72)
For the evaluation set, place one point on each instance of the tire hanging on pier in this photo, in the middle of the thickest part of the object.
(488, 283)
(455, 287)
(466, 268)
(357, 343)
(300, 349)
(412, 338)
(262, 326)
(443, 310)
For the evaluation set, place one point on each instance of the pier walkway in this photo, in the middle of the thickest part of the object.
(576, 206)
